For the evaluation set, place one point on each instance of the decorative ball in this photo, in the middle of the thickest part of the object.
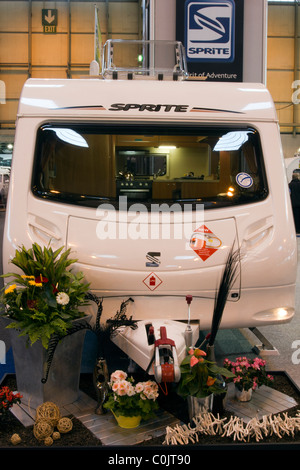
(64, 425)
(49, 411)
(42, 429)
(15, 439)
(56, 435)
(48, 441)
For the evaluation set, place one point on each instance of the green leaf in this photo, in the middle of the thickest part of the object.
(186, 360)
(221, 370)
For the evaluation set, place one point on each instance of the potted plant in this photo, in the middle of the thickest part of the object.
(200, 380)
(249, 374)
(45, 298)
(131, 402)
(41, 302)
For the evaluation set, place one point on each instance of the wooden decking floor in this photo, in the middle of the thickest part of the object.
(265, 401)
(104, 427)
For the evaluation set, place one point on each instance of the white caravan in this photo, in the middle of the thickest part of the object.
(151, 183)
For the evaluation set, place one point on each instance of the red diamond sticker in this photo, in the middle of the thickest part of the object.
(152, 281)
(204, 242)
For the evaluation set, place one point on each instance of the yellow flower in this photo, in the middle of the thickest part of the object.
(10, 289)
(27, 277)
(36, 284)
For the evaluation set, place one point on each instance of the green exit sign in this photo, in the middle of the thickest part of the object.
(49, 20)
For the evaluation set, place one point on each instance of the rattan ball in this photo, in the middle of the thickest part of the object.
(42, 429)
(15, 439)
(56, 435)
(49, 411)
(48, 441)
(64, 425)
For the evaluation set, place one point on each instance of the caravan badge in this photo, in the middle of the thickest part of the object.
(209, 30)
(178, 108)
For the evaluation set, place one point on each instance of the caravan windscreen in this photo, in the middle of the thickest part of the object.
(88, 164)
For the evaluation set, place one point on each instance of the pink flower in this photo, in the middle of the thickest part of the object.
(193, 361)
(130, 391)
(150, 391)
(139, 387)
(118, 375)
(122, 388)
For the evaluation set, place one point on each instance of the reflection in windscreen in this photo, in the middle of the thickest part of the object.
(88, 164)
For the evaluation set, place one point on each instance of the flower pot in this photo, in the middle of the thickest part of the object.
(128, 422)
(243, 395)
(62, 385)
(199, 405)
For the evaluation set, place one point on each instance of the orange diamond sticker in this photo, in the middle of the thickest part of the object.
(204, 242)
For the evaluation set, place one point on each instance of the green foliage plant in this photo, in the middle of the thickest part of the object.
(200, 377)
(47, 296)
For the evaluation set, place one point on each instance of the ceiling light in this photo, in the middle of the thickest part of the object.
(167, 147)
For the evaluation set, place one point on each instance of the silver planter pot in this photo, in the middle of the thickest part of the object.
(243, 395)
(62, 384)
(199, 405)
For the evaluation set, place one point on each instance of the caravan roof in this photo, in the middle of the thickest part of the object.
(146, 99)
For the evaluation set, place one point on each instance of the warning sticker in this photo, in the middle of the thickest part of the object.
(152, 281)
(204, 242)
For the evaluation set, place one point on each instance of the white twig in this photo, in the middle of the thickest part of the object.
(206, 423)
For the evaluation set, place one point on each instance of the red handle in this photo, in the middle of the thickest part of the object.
(163, 338)
(163, 332)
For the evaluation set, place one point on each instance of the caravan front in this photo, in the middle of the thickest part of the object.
(151, 187)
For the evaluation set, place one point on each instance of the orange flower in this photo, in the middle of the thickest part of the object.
(210, 381)
(199, 352)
